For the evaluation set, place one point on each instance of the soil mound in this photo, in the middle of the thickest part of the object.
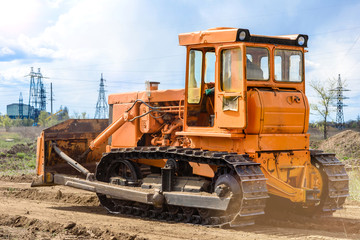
(24, 178)
(28, 148)
(59, 196)
(40, 229)
(20, 157)
(345, 144)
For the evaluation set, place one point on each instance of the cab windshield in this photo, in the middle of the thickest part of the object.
(257, 63)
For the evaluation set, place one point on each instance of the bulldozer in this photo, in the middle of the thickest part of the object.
(212, 153)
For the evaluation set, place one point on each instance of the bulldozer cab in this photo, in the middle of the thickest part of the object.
(211, 98)
(223, 63)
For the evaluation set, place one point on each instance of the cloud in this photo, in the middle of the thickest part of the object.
(6, 51)
(74, 41)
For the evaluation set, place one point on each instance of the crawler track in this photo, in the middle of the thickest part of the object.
(336, 187)
(250, 178)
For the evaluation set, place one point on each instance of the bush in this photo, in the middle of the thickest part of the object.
(6, 122)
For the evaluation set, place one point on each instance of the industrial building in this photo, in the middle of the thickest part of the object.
(14, 110)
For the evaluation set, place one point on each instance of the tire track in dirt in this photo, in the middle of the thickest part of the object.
(56, 206)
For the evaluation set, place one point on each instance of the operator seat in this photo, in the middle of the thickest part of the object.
(253, 71)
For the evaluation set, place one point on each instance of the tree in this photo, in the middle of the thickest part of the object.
(17, 122)
(326, 98)
(6, 122)
(76, 115)
(53, 120)
(43, 118)
(28, 122)
(83, 115)
(64, 115)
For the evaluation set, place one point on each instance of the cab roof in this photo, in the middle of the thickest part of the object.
(227, 35)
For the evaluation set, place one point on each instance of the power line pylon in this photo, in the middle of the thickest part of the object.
(33, 95)
(340, 104)
(41, 92)
(101, 105)
(37, 95)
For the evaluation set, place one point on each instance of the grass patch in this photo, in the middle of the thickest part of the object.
(21, 158)
(18, 162)
(16, 137)
(20, 155)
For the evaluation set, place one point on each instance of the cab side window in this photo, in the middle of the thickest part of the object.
(195, 76)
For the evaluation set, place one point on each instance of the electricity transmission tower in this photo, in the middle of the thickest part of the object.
(32, 95)
(101, 105)
(37, 95)
(41, 91)
(339, 103)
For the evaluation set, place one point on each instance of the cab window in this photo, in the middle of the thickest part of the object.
(257, 63)
(201, 87)
(194, 78)
(288, 65)
(210, 59)
(231, 70)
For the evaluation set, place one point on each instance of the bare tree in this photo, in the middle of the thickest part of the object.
(326, 98)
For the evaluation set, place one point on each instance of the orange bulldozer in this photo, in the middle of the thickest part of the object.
(213, 153)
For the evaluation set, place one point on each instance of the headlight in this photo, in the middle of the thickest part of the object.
(242, 35)
(301, 41)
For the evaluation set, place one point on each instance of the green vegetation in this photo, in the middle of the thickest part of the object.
(5, 122)
(20, 155)
(17, 154)
(44, 119)
(9, 139)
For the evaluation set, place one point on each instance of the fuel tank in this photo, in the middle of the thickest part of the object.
(277, 111)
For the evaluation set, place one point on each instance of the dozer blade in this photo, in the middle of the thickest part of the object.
(73, 138)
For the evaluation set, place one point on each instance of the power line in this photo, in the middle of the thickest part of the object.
(122, 61)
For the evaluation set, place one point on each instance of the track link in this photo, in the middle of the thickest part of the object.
(250, 204)
(336, 187)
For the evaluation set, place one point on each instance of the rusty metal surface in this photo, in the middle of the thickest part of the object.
(76, 128)
(73, 138)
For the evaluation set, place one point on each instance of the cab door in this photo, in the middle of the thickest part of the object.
(231, 94)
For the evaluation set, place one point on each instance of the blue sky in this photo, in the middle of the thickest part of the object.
(74, 41)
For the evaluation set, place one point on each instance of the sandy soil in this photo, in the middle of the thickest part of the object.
(344, 144)
(64, 213)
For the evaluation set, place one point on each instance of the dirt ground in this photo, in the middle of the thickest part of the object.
(344, 144)
(59, 212)
(65, 213)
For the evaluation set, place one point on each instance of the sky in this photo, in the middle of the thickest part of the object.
(131, 41)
